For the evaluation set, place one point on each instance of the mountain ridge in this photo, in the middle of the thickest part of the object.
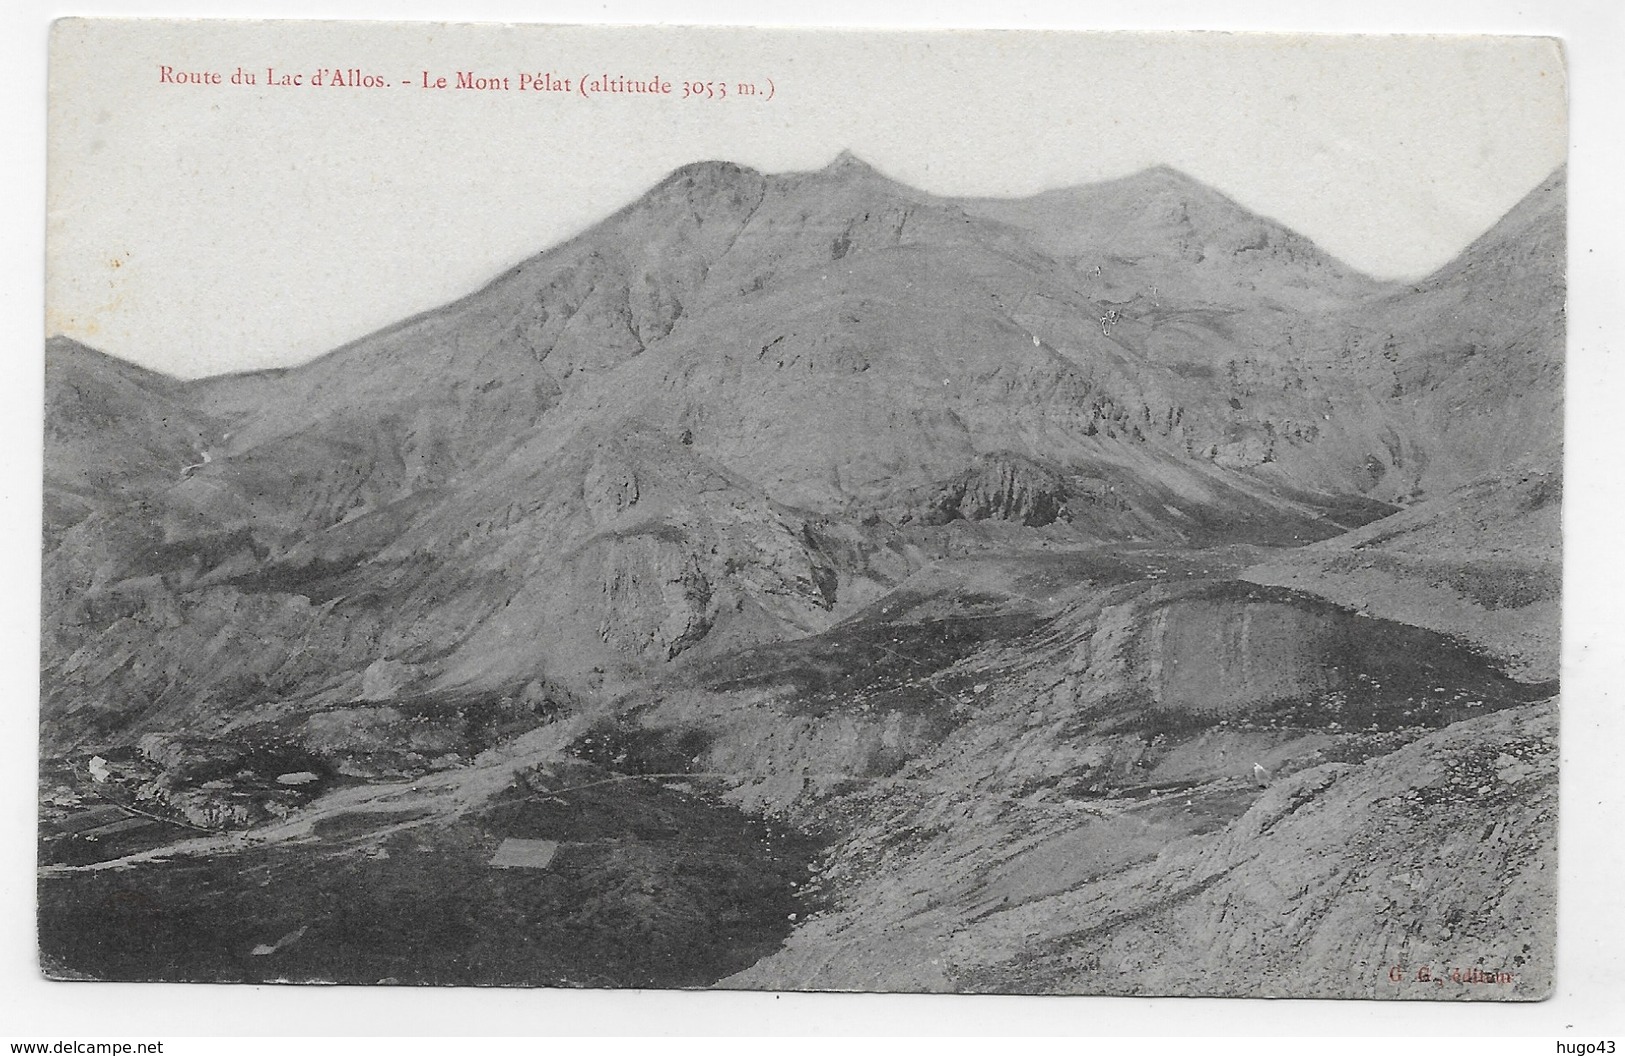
(847, 357)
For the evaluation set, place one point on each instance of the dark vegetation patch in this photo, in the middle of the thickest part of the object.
(319, 579)
(254, 760)
(1471, 776)
(650, 887)
(194, 553)
(907, 605)
(660, 531)
(869, 660)
(1368, 744)
(411, 735)
(1245, 520)
(488, 717)
(355, 578)
(1490, 584)
(1537, 491)
(482, 718)
(622, 744)
(1377, 674)
(1377, 685)
(79, 849)
(359, 825)
(1352, 511)
(1118, 564)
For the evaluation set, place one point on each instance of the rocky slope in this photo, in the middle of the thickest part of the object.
(115, 434)
(1159, 235)
(1482, 563)
(1341, 880)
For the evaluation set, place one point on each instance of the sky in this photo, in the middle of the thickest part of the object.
(199, 229)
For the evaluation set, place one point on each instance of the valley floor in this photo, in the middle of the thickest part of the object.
(1122, 771)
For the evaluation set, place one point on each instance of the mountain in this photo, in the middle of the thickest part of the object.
(1482, 563)
(116, 433)
(863, 373)
(1478, 346)
(941, 531)
(834, 350)
(1160, 235)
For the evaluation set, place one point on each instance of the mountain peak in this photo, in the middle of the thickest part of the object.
(65, 353)
(709, 172)
(1161, 178)
(848, 166)
(59, 346)
(1163, 171)
(847, 160)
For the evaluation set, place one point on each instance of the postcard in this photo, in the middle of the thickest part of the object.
(900, 511)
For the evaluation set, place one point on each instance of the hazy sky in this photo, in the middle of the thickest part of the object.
(204, 228)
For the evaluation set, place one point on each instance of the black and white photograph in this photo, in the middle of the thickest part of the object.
(967, 512)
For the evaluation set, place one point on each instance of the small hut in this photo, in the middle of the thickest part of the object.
(525, 854)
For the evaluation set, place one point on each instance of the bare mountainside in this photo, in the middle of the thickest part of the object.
(1000, 586)
(1160, 235)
